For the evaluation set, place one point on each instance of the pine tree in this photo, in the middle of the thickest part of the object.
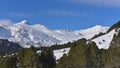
(47, 58)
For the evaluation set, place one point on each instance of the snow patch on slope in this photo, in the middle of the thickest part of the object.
(59, 53)
(103, 42)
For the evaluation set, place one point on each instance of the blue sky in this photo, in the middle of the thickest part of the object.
(62, 14)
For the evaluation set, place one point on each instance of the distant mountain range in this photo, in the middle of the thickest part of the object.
(38, 35)
(95, 47)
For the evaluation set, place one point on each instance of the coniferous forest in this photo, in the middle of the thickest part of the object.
(81, 55)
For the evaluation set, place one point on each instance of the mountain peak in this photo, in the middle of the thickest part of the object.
(99, 26)
(96, 27)
(24, 22)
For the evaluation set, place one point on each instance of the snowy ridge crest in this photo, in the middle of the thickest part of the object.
(38, 35)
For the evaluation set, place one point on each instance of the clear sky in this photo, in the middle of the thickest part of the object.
(62, 14)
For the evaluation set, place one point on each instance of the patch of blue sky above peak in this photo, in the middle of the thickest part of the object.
(62, 14)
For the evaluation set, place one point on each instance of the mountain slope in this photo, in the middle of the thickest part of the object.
(103, 51)
(39, 35)
(104, 41)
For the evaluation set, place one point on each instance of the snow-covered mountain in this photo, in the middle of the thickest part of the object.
(39, 35)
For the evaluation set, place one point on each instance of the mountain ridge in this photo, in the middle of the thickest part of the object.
(38, 35)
